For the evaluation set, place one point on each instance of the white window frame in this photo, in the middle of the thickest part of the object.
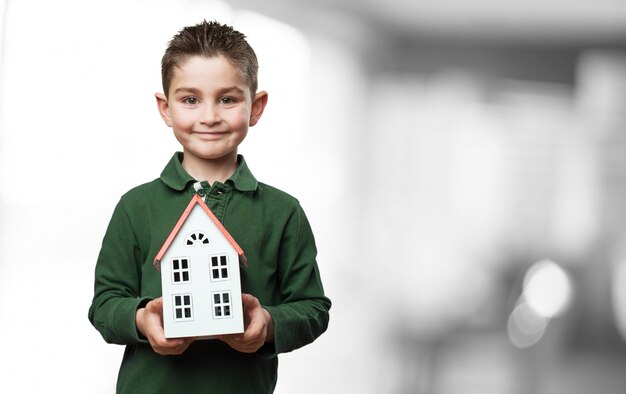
(180, 270)
(184, 306)
(222, 268)
(221, 308)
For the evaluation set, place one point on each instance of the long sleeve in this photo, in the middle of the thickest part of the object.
(303, 314)
(117, 282)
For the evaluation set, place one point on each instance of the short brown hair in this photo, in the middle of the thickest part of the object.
(210, 39)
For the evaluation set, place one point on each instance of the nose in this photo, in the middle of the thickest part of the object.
(210, 114)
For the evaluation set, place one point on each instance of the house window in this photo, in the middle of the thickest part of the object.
(219, 268)
(221, 305)
(180, 270)
(196, 238)
(182, 307)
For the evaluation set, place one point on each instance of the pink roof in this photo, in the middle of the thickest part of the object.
(195, 200)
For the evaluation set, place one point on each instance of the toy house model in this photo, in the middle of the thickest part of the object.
(199, 265)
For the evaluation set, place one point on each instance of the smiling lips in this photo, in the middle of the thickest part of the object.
(209, 134)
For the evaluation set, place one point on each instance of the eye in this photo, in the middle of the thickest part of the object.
(191, 100)
(227, 100)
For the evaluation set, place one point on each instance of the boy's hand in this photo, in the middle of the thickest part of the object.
(259, 327)
(149, 322)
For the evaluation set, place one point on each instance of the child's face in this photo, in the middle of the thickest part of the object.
(209, 107)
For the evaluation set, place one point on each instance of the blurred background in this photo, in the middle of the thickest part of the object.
(463, 164)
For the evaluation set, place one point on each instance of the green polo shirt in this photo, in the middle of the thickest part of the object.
(271, 228)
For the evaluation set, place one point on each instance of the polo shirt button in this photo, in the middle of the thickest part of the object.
(201, 192)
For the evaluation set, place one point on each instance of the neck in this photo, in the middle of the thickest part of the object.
(210, 170)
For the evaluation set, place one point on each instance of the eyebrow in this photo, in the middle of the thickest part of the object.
(186, 90)
(221, 91)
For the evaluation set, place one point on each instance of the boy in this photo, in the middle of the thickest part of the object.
(209, 75)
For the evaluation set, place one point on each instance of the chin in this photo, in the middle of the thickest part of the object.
(214, 155)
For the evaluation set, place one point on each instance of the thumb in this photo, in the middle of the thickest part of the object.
(248, 300)
(156, 305)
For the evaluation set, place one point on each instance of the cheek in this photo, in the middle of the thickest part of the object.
(239, 119)
(183, 121)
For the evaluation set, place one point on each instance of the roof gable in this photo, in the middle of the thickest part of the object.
(196, 199)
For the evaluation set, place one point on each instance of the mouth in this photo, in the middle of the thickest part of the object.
(209, 132)
(209, 135)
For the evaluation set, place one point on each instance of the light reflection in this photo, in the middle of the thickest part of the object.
(525, 327)
(547, 288)
(546, 294)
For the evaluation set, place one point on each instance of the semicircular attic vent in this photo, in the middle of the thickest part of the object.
(196, 238)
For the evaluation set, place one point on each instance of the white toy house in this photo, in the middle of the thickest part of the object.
(200, 279)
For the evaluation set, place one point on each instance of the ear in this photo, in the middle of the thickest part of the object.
(258, 105)
(164, 108)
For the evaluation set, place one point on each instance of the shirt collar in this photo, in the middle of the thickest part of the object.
(175, 176)
(242, 179)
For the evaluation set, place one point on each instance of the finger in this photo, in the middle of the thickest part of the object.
(250, 305)
(253, 332)
(158, 305)
(246, 297)
(172, 346)
(180, 347)
(230, 338)
(249, 301)
(155, 305)
(156, 325)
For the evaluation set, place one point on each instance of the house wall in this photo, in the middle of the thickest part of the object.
(200, 285)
